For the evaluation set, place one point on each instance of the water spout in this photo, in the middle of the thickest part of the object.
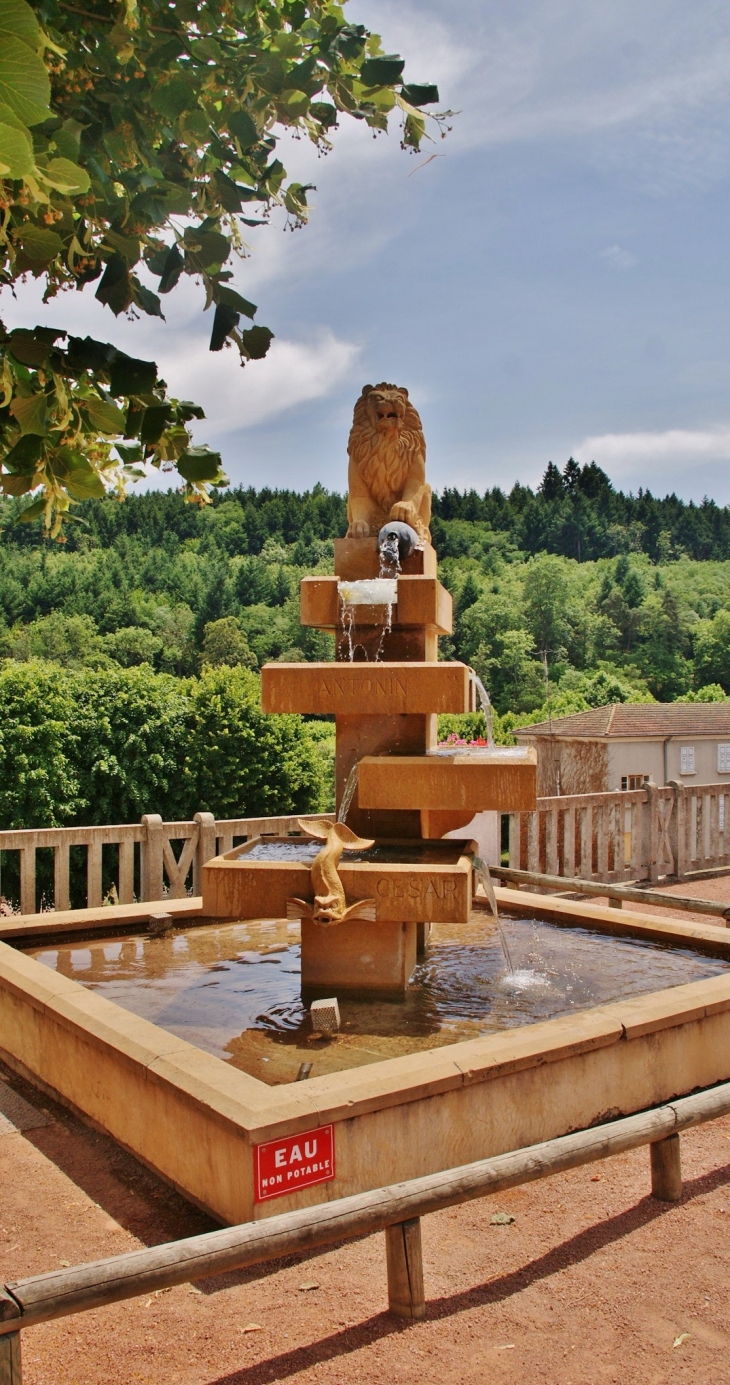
(348, 792)
(485, 879)
(485, 707)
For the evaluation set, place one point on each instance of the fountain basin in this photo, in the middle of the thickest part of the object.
(410, 881)
(474, 780)
(420, 602)
(382, 689)
(198, 1120)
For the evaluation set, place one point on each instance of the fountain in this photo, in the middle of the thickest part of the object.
(385, 689)
(186, 1044)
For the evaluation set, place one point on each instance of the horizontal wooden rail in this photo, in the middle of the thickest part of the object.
(613, 892)
(59, 1293)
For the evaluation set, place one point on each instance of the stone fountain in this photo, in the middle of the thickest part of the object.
(387, 609)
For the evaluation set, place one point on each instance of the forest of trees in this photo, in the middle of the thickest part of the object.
(129, 654)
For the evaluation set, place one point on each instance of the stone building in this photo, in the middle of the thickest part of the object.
(620, 746)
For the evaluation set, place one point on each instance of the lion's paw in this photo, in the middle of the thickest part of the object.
(359, 530)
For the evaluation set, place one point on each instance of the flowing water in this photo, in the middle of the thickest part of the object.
(485, 707)
(348, 793)
(234, 989)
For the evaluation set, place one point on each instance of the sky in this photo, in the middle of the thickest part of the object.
(553, 282)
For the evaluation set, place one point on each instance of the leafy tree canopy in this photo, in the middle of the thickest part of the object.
(139, 138)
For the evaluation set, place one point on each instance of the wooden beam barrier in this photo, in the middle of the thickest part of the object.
(616, 894)
(59, 1293)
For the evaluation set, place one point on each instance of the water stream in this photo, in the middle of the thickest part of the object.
(485, 707)
(348, 793)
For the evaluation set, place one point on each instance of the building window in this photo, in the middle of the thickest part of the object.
(633, 781)
(687, 759)
(723, 759)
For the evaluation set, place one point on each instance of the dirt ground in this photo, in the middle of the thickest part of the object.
(717, 889)
(593, 1282)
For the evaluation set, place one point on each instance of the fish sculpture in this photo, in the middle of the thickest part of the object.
(330, 905)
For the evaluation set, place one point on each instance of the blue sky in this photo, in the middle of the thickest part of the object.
(554, 282)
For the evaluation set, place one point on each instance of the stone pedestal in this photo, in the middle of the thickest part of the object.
(357, 957)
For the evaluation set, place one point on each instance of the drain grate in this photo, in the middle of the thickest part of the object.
(16, 1113)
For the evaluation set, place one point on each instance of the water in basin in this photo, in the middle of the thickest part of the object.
(234, 989)
(304, 850)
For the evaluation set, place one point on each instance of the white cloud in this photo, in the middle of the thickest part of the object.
(293, 373)
(618, 258)
(623, 454)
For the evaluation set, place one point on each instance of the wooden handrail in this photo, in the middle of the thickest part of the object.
(614, 892)
(26, 1302)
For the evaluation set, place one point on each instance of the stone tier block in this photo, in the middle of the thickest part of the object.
(358, 958)
(500, 779)
(356, 559)
(422, 602)
(434, 889)
(392, 689)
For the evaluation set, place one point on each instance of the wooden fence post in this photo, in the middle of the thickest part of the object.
(666, 1169)
(205, 850)
(404, 1258)
(679, 835)
(650, 835)
(151, 881)
(27, 880)
(61, 885)
(10, 1368)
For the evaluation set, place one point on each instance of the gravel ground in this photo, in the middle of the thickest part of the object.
(592, 1283)
(717, 889)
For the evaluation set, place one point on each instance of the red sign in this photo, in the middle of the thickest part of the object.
(298, 1161)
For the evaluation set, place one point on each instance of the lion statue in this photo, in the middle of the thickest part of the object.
(387, 471)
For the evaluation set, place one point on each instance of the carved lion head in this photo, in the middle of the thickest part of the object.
(385, 406)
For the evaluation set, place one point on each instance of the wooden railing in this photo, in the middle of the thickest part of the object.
(148, 860)
(644, 834)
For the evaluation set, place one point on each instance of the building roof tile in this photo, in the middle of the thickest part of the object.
(639, 721)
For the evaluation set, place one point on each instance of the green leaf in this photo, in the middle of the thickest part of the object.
(24, 82)
(83, 483)
(86, 354)
(106, 417)
(207, 247)
(223, 324)
(128, 453)
(24, 457)
(420, 95)
(172, 98)
(257, 341)
(18, 19)
(296, 102)
(40, 243)
(32, 511)
(186, 410)
(126, 246)
(27, 348)
(16, 484)
(242, 125)
(199, 464)
(173, 268)
(65, 176)
(115, 288)
(324, 113)
(382, 71)
(155, 420)
(235, 301)
(131, 376)
(147, 300)
(30, 413)
(16, 152)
